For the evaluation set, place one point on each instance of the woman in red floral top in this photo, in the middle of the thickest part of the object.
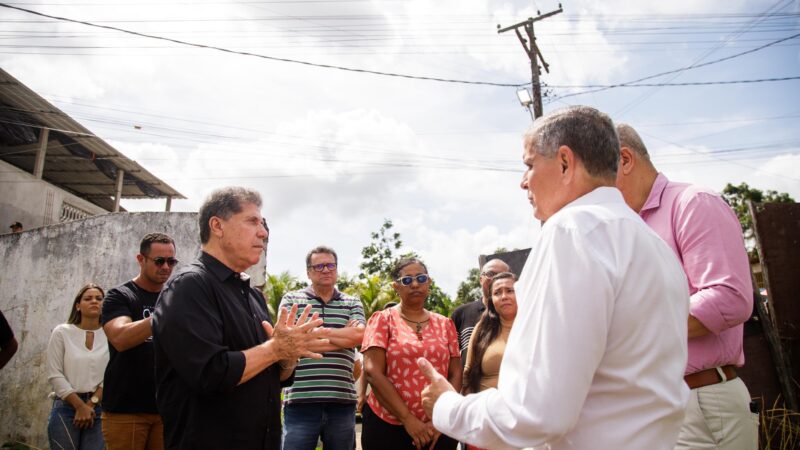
(393, 417)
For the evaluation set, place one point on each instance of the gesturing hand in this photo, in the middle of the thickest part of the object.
(439, 385)
(295, 339)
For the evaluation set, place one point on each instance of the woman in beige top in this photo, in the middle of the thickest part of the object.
(488, 341)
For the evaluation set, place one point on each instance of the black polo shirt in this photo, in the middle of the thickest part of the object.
(465, 318)
(206, 316)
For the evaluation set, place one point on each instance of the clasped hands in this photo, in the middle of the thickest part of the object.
(424, 433)
(84, 416)
(294, 339)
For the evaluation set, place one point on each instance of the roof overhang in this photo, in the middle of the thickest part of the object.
(76, 160)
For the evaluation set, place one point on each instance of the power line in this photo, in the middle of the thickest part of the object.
(711, 155)
(688, 83)
(727, 39)
(272, 58)
(382, 73)
(682, 69)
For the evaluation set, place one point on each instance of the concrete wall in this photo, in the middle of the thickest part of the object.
(43, 269)
(35, 203)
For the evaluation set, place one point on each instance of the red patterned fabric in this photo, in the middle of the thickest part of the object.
(387, 330)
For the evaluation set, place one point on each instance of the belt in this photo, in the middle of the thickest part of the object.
(710, 376)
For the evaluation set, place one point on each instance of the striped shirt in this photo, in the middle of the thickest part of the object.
(329, 379)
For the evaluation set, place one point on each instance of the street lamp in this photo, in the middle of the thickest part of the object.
(525, 99)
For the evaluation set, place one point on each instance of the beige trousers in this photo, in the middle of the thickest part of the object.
(133, 431)
(718, 417)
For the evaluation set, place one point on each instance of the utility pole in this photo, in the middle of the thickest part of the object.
(534, 55)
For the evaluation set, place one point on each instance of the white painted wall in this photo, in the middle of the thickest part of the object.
(43, 269)
(34, 202)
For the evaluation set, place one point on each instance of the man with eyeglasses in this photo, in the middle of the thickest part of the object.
(322, 401)
(467, 315)
(130, 417)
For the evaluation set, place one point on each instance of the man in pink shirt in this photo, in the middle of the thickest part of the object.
(705, 234)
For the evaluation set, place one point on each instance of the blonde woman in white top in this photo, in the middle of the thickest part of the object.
(76, 361)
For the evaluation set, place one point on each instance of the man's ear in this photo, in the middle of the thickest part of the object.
(626, 160)
(215, 225)
(566, 158)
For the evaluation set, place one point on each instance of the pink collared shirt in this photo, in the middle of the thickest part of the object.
(705, 234)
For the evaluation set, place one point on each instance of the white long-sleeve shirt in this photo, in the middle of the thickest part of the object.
(71, 367)
(596, 355)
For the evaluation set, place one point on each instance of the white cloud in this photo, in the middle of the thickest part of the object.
(335, 152)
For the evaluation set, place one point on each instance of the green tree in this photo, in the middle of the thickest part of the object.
(439, 302)
(469, 289)
(277, 286)
(344, 282)
(378, 256)
(737, 197)
(374, 286)
(374, 291)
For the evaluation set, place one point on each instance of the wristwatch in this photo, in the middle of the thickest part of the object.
(95, 401)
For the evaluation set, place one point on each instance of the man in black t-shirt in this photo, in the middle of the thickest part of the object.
(467, 315)
(130, 416)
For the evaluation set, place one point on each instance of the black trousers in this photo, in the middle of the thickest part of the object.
(376, 434)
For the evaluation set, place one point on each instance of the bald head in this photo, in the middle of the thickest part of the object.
(490, 269)
(628, 137)
(636, 173)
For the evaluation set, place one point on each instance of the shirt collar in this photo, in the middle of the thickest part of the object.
(220, 270)
(602, 194)
(309, 291)
(654, 199)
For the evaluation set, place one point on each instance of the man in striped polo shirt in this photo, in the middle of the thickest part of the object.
(322, 401)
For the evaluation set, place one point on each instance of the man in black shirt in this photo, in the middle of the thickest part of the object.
(467, 315)
(130, 416)
(218, 384)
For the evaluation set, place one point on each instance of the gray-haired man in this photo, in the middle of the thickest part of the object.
(219, 362)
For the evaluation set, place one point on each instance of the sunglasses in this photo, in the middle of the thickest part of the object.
(172, 262)
(322, 266)
(489, 273)
(408, 279)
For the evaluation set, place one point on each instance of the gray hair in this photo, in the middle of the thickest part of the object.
(321, 249)
(628, 137)
(224, 203)
(588, 132)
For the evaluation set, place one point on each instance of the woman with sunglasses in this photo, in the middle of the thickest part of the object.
(488, 341)
(393, 417)
(77, 355)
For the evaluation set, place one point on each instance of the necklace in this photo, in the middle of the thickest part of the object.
(418, 325)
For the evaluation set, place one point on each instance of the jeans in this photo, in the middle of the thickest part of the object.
(305, 423)
(63, 435)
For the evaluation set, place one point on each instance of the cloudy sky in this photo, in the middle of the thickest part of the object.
(335, 152)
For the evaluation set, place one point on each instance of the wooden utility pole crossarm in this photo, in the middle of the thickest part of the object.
(534, 54)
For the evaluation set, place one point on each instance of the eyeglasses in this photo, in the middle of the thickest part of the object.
(320, 267)
(408, 279)
(489, 273)
(159, 261)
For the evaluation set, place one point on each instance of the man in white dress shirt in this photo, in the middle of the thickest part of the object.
(596, 356)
